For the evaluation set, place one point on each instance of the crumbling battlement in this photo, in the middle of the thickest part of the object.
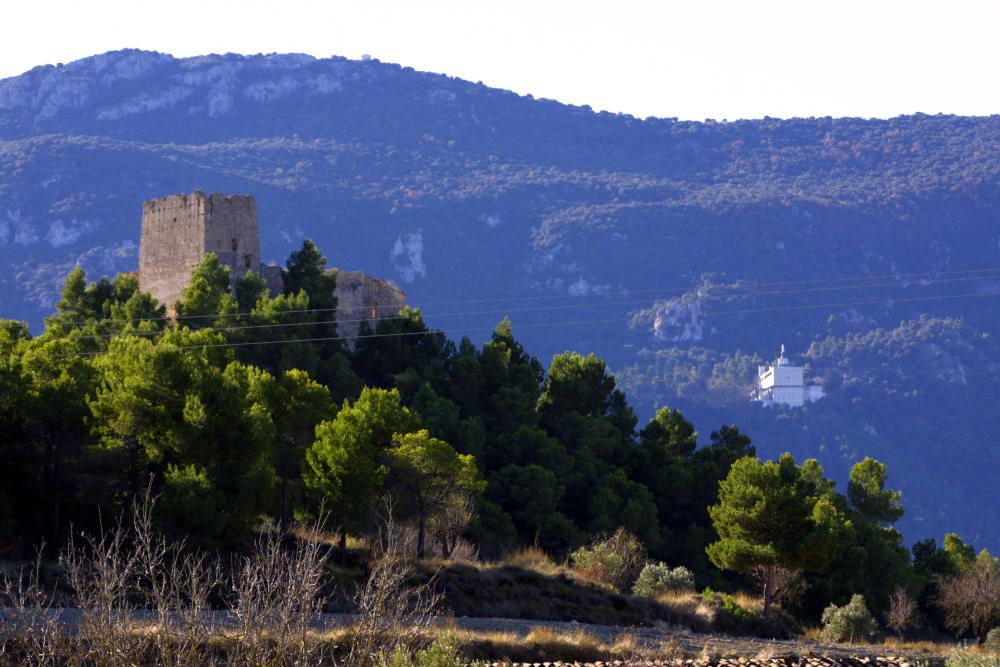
(179, 230)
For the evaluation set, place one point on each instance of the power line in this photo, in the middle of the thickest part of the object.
(271, 325)
(888, 301)
(539, 325)
(750, 291)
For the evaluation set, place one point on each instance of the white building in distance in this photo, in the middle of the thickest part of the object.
(784, 384)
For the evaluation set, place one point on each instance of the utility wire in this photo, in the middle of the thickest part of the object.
(750, 291)
(540, 325)
(549, 308)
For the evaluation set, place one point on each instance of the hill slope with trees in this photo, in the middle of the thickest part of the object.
(682, 253)
(247, 410)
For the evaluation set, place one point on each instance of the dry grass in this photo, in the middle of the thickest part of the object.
(542, 644)
(539, 645)
(709, 653)
(529, 584)
(501, 590)
(891, 644)
(688, 602)
(692, 603)
(578, 641)
(751, 603)
(766, 653)
(627, 645)
(533, 558)
(629, 649)
(917, 646)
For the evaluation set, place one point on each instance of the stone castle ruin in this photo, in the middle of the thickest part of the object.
(179, 230)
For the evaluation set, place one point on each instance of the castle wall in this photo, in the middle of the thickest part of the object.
(274, 279)
(361, 297)
(171, 244)
(231, 232)
(179, 230)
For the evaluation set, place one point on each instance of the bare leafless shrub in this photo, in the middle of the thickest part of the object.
(465, 551)
(276, 592)
(177, 587)
(447, 525)
(143, 600)
(406, 540)
(102, 571)
(784, 585)
(32, 628)
(971, 598)
(902, 614)
(392, 611)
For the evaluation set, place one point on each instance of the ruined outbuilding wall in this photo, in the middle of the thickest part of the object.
(273, 277)
(361, 297)
(179, 230)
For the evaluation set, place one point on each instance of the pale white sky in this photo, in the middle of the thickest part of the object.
(692, 59)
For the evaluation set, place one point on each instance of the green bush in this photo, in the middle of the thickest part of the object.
(724, 604)
(733, 609)
(658, 578)
(730, 618)
(445, 651)
(850, 623)
(992, 643)
(614, 561)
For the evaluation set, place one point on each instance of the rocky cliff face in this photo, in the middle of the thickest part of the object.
(210, 85)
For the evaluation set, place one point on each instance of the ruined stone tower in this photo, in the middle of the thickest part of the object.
(179, 230)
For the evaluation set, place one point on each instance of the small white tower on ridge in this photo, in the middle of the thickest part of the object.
(784, 384)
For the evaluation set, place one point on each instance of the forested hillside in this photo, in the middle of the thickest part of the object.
(682, 253)
(246, 409)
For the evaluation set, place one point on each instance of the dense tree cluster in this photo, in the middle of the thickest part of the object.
(232, 420)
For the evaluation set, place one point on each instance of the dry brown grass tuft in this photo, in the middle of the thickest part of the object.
(532, 558)
(629, 649)
(709, 653)
(750, 602)
(578, 638)
(547, 644)
(687, 602)
(765, 654)
(917, 646)
(540, 644)
(543, 644)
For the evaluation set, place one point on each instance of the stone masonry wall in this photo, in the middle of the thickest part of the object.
(172, 243)
(232, 232)
(179, 230)
(361, 297)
